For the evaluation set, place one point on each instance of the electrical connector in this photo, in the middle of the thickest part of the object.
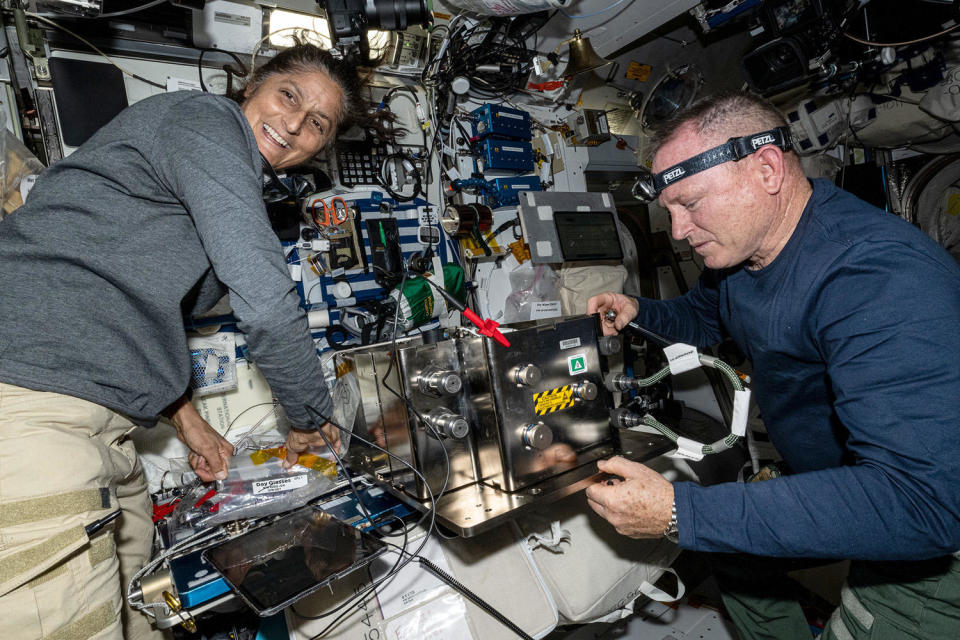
(313, 245)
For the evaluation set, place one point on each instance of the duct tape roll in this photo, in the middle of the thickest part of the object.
(318, 318)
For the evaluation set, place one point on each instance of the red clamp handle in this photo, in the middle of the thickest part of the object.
(487, 327)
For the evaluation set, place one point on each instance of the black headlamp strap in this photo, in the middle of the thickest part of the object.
(733, 149)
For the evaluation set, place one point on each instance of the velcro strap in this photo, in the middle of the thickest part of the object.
(856, 609)
(26, 565)
(61, 504)
(101, 548)
(61, 569)
(88, 625)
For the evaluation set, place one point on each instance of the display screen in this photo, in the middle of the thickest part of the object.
(275, 565)
(587, 235)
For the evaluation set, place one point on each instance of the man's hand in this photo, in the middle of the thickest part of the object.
(625, 306)
(299, 440)
(209, 451)
(639, 506)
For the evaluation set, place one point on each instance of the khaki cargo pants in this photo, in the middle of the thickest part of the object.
(64, 463)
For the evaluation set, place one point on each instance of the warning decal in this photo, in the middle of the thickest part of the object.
(553, 400)
(577, 364)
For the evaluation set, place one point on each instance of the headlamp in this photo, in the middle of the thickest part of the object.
(649, 185)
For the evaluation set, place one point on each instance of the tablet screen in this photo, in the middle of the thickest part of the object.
(587, 235)
(277, 564)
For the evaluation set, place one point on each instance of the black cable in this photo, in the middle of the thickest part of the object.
(512, 222)
(466, 592)
(206, 50)
(418, 181)
(474, 598)
(431, 513)
(427, 424)
(485, 43)
(359, 595)
(323, 419)
(433, 499)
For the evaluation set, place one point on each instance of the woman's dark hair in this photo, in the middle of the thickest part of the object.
(352, 73)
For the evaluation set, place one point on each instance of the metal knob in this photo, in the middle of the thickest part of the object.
(527, 375)
(585, 391)
(614, 381)
(624, 418)
(609, 345)
(537, 436)
(447, 423)
(439, 382)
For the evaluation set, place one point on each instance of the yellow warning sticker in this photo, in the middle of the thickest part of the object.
(953, 204)
(553, 400)
(637, 71)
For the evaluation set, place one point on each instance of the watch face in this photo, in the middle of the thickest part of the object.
(671, 533)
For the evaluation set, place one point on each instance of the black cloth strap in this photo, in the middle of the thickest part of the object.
(733, 149)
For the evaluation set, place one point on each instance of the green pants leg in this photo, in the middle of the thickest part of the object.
(894, 600)
(760, 598)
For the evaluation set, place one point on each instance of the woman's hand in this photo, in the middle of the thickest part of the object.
(209, 451)
(299, 440)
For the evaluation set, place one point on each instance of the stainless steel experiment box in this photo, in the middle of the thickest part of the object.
(518, 425)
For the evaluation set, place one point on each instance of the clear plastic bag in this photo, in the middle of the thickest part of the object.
(18, 169)
(535, 294)
(256, 486)
(346, 401)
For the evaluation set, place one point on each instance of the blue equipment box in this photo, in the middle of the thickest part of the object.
(507, 190)
(501, 122)
(506, 155)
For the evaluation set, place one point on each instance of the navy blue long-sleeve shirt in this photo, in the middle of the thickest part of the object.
(854, 335)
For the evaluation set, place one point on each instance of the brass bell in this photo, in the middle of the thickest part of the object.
(582, 56)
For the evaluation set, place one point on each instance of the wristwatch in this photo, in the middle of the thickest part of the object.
(671, 533)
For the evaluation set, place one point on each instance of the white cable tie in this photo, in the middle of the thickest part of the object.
(682, 357)
(741, 412)
(688, 449)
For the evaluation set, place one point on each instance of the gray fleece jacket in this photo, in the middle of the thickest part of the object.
(153, 218)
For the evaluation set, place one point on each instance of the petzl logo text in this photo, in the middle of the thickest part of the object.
(673, 174)
(759, 141)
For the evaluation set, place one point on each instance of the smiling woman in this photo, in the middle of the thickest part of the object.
(298, 101)
(164, 206)
(293, 115)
